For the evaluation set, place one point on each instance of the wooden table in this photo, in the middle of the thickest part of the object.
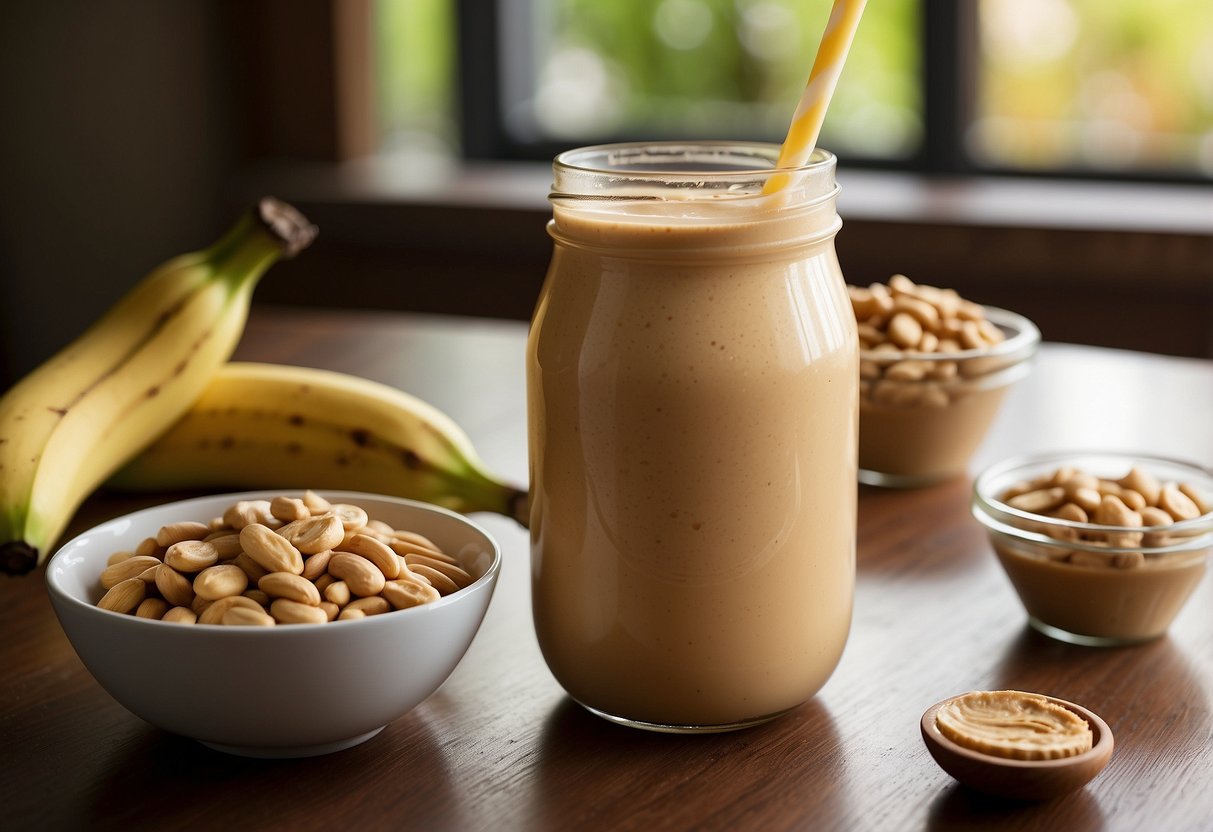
(499, 746)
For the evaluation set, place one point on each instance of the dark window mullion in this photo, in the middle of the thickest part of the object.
(481, 123)
(949, 79)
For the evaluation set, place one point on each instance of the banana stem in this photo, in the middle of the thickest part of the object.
(520, 508)
(272, 230)
(17, 557)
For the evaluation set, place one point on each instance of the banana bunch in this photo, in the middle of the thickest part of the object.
(74, 420)
(279, 426)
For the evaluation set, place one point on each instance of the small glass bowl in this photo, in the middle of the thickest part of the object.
(922, 425)
(1090, 583)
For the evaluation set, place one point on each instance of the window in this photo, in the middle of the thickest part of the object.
(1095, 84)
(1076, 87)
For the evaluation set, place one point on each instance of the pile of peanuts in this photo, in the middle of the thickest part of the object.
(907, 317)
(287, 560)
(1138, 500)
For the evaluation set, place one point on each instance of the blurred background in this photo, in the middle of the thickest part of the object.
(1051, 156)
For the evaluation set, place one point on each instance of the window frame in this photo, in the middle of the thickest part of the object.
(948, 79)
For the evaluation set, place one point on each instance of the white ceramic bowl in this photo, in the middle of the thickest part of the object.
(286, 691)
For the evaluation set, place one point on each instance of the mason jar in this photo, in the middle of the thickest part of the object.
(692, 389)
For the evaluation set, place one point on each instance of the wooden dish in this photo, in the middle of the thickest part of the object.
(1020, 779)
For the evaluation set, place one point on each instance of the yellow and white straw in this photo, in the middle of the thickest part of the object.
(823, 78)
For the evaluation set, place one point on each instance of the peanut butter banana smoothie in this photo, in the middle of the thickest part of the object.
(693, 408)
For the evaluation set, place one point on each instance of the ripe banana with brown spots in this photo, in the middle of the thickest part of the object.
(77, 418)
(265, 426)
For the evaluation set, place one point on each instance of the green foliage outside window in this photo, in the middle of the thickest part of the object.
(1061, 84)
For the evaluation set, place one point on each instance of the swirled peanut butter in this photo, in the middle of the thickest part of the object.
(1014, 725)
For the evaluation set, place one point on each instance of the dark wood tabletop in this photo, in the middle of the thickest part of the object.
(500, 747)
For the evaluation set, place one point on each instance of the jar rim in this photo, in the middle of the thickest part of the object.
(570, 160)
(725, 173)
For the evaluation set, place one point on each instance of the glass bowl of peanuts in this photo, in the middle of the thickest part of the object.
(934, 369)
(1102, 548)
(274, 624)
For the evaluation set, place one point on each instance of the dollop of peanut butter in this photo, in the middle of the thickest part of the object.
(1014, 725)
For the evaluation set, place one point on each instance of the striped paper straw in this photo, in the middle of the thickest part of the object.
(811, 111)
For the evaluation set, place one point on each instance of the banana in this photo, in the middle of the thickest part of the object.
(280, 426)
(78, 417)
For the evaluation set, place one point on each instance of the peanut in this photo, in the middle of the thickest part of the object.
(152, 608)
(286, 611)
(1039, 501)
(905, 331)
(1176, 503)
(378, 527)
(315, 503)
(908, 370)
(317, 564)
(290, 586)
(174, 587)
(1112, 511)
(191, 555)
(247, 512)
(118, 557)
(226, 543)
(403, 594)
(351, 516)
(362, 576)
(1088, 499)
(456, 573)
(180, 615)
(1200, 499)
(123, 570)
(406, 547)
(376, 551)
(314, 534)
(373, 605)
(288, 509)
(441, 582)
(269, 550)
(338, 592)
(1143, 483)
(124, 596)
(220, 581)
(177, 532)
(213, 614)
(246, 617)
(149, 547)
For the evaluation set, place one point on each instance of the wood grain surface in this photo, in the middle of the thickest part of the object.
(500, 747)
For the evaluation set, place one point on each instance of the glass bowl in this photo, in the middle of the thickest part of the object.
(1094, 583)
(922, 415)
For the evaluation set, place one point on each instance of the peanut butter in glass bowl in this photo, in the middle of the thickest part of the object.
(1102, 548)
(934, 369)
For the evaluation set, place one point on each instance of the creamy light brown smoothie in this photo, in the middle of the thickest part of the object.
(692, 392)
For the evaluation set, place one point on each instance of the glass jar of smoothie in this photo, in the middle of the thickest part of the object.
(692, 374)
